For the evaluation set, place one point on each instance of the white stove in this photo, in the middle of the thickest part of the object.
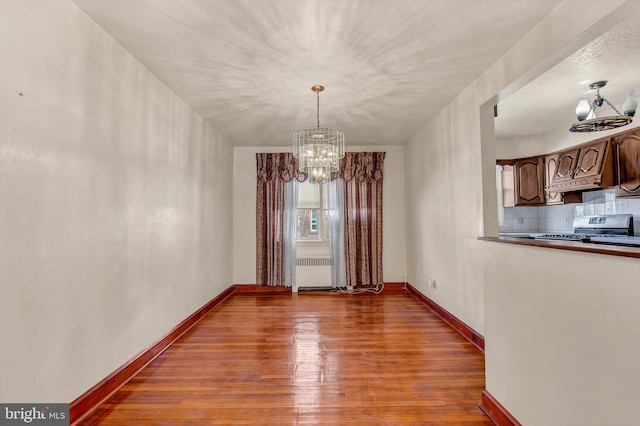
(607, 229)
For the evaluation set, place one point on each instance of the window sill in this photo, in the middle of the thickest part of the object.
(311, 242)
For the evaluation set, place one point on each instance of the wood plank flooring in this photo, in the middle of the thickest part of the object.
(310, 358)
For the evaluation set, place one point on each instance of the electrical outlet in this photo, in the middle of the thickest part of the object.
(566, 220)
(521, 221)
(432, 283)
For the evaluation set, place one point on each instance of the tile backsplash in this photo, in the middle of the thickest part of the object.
(560, 218)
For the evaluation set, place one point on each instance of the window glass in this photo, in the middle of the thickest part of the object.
(311, 209)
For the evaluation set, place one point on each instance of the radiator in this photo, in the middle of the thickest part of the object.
(313, 261)
(313, 271)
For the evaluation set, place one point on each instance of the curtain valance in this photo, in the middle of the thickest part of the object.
(281, 165)
(362, 166)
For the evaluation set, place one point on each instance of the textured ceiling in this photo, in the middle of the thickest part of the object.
(247, 65)
(549, 102)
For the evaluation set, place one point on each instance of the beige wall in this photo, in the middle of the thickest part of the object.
(562, 337)
(522, 147)
(553, 141)
(560, 327)
(244, 212)
(115, 222)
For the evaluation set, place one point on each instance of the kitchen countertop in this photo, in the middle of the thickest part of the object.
(612, 250)
(515, 234)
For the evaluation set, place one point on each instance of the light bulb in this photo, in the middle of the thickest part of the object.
(630, 104)
(583, 108)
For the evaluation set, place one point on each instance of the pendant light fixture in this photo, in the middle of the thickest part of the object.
(318, 150)
(586, 113)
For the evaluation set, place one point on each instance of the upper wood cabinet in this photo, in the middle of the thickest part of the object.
(627, 160)
(553, 169)
(591, 161)
(587, 166)
(529, 181)
(565, 166)
(550, 169)
(559, 177)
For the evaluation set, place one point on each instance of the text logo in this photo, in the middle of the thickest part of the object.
(34, 414)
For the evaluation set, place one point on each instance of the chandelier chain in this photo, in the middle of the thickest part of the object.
(611, 105)
(318, 108)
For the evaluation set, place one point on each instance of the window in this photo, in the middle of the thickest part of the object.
(312, 212)
(314, 220)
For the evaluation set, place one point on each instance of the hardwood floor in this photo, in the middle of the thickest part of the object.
(309, 358)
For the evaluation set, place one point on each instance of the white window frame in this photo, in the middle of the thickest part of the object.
(321, 217)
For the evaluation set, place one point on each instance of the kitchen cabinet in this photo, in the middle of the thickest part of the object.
(550, 170)
(591, 164)
(529, 181)
(560, 177)
(550, 167)
(565, 167)
(587, 166)
(627, 160)
(523, 182)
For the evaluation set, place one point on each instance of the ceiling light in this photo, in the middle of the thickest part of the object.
(318, 150)
(589, 122)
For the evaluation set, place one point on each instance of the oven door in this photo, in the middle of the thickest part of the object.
(617, 240)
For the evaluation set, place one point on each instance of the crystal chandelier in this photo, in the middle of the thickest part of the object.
(318, 150)
(587, 120)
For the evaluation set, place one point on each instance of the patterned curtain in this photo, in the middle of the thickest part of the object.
(362, 174)
(274, 171)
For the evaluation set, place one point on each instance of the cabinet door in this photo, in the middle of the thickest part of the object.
(628, 165)
(590, 160)
(566, 166)
(529, 181)
(550, 166)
